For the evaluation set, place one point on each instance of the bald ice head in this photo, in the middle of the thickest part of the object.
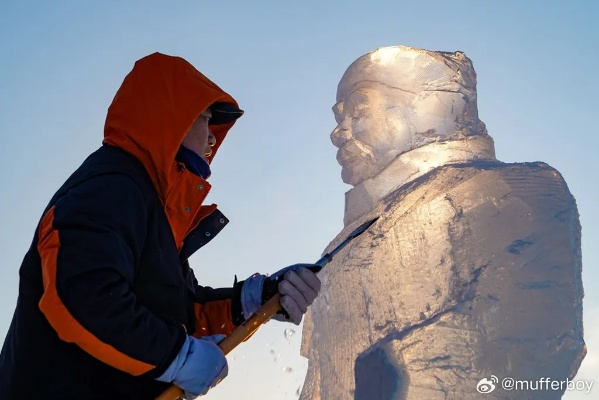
(399, 98)
(413, 70)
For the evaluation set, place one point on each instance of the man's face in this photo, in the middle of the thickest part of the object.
(371, 131)
(200, 139)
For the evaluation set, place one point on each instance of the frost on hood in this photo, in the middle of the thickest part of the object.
(472, 270)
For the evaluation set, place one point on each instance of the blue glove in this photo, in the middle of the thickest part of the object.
(297, 284)
(199, 366)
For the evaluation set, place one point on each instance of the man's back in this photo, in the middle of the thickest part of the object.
(45, 364)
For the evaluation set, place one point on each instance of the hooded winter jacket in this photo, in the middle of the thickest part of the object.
(106, 295)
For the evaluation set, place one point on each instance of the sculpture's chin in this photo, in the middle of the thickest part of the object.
(355, 174)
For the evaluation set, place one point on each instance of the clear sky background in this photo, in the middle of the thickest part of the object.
(276, 176)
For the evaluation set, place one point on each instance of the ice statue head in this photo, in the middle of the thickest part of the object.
(396, 99)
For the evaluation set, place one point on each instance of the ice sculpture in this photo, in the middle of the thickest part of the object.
(473, 269)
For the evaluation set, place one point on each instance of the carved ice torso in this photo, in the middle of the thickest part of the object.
(472, 269)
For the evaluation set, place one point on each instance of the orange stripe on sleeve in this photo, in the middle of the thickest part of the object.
(212, 318)
(59, 317)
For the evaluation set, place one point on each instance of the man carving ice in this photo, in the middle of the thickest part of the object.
(472, 270)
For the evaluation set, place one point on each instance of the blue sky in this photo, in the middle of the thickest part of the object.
(276, 176)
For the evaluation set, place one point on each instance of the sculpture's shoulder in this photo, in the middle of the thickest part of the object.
(531, 180)
(468, 186)
(483, 177)
(527, 172)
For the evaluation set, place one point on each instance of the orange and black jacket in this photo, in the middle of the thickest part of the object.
(106, 294)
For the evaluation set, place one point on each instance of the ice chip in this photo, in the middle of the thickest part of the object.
(289, 333)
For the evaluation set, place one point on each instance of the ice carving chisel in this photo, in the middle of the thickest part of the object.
(264, 313)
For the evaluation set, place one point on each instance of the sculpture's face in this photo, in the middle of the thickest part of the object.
(372, 129)
(396, 99)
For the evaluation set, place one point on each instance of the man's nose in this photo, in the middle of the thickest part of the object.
(211, 139)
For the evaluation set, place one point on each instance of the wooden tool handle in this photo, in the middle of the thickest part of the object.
(241, 333)
(251, 325)
(172, 393)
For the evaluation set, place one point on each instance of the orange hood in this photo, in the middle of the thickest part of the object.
(150, 115)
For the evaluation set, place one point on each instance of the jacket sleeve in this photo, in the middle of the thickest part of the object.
(89, 244)
(217, 310)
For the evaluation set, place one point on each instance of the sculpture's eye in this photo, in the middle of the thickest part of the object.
(360, 110)
(357, 102)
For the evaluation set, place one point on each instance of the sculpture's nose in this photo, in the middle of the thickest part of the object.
(340, 135)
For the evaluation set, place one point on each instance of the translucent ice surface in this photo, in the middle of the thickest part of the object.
(473, 269)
